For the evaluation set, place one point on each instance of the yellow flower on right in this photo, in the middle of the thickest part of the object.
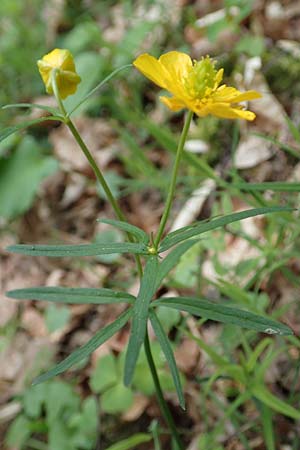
(195, 85)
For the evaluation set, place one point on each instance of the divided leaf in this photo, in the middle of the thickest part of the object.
(225, 314)
(124, 226)
(201, 227)
(55, 251)
(168, 352)
(172, 259)
(71, 295)
(140, 317)
(98, 339)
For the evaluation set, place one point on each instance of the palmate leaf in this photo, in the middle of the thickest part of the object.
(55, 251)
(71, 295)
(124, 226)
(21, 126)
(225, 314)
(201, 227)
(168, 352)
(98, 339)
(140, 317)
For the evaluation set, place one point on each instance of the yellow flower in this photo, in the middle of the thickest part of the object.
(66, 76)
(195, 85)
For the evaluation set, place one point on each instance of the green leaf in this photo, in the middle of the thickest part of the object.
(274, 403)
(56, 317)
(226, 314)
(140, 317)
(168, 318)
(105, 374)
(251, 45)
(55, 251)
(117, 399)
(198, 228)
(135, 231)
(21, 126)
(98, 339)
(167, 349)
(172, 259)
(275, 186)
(130, 443)
(52, 111)
(20, 175)
(71, 295)
(18, 432)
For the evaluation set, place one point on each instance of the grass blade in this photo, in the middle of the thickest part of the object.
(131, 442)
(140, 317)
(275, 403)
(225, 314)
(71, 295)
(54, 251)
(168, 352)
(98, 339)
(275, 186)
(201, 227)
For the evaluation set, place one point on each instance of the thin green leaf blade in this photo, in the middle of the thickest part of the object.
(55, 251)
(198, 228)
(98, 339)
(21, 126)
(59, 294)
(131, 442)
(275, 403)
(168, 352)
(172, 259)
(135, 231)
(225, 314)
(49, 109)
(140, 317)
(275, 186)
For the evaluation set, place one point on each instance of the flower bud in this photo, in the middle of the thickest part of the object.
(62, 62)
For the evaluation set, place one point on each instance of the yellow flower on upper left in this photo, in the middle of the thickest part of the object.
(67, 79)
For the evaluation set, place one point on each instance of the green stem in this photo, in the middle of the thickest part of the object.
(162, 403)
(173, 179)
(93, 164)
(160, 398)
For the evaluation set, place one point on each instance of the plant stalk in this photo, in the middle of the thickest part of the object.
(172, 187)
(162, 403)
(160, 398)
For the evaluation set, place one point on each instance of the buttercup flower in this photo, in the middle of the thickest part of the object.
(66, 76)
(195, 85)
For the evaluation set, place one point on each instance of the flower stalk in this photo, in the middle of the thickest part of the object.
(172, 186)
(161, 401)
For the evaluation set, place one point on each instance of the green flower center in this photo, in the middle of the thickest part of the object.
(202, 76)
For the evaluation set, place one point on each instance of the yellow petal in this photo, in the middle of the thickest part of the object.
(173, 103)
(232, 95)
(177, 64)
(152, 69)
(225, 111)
